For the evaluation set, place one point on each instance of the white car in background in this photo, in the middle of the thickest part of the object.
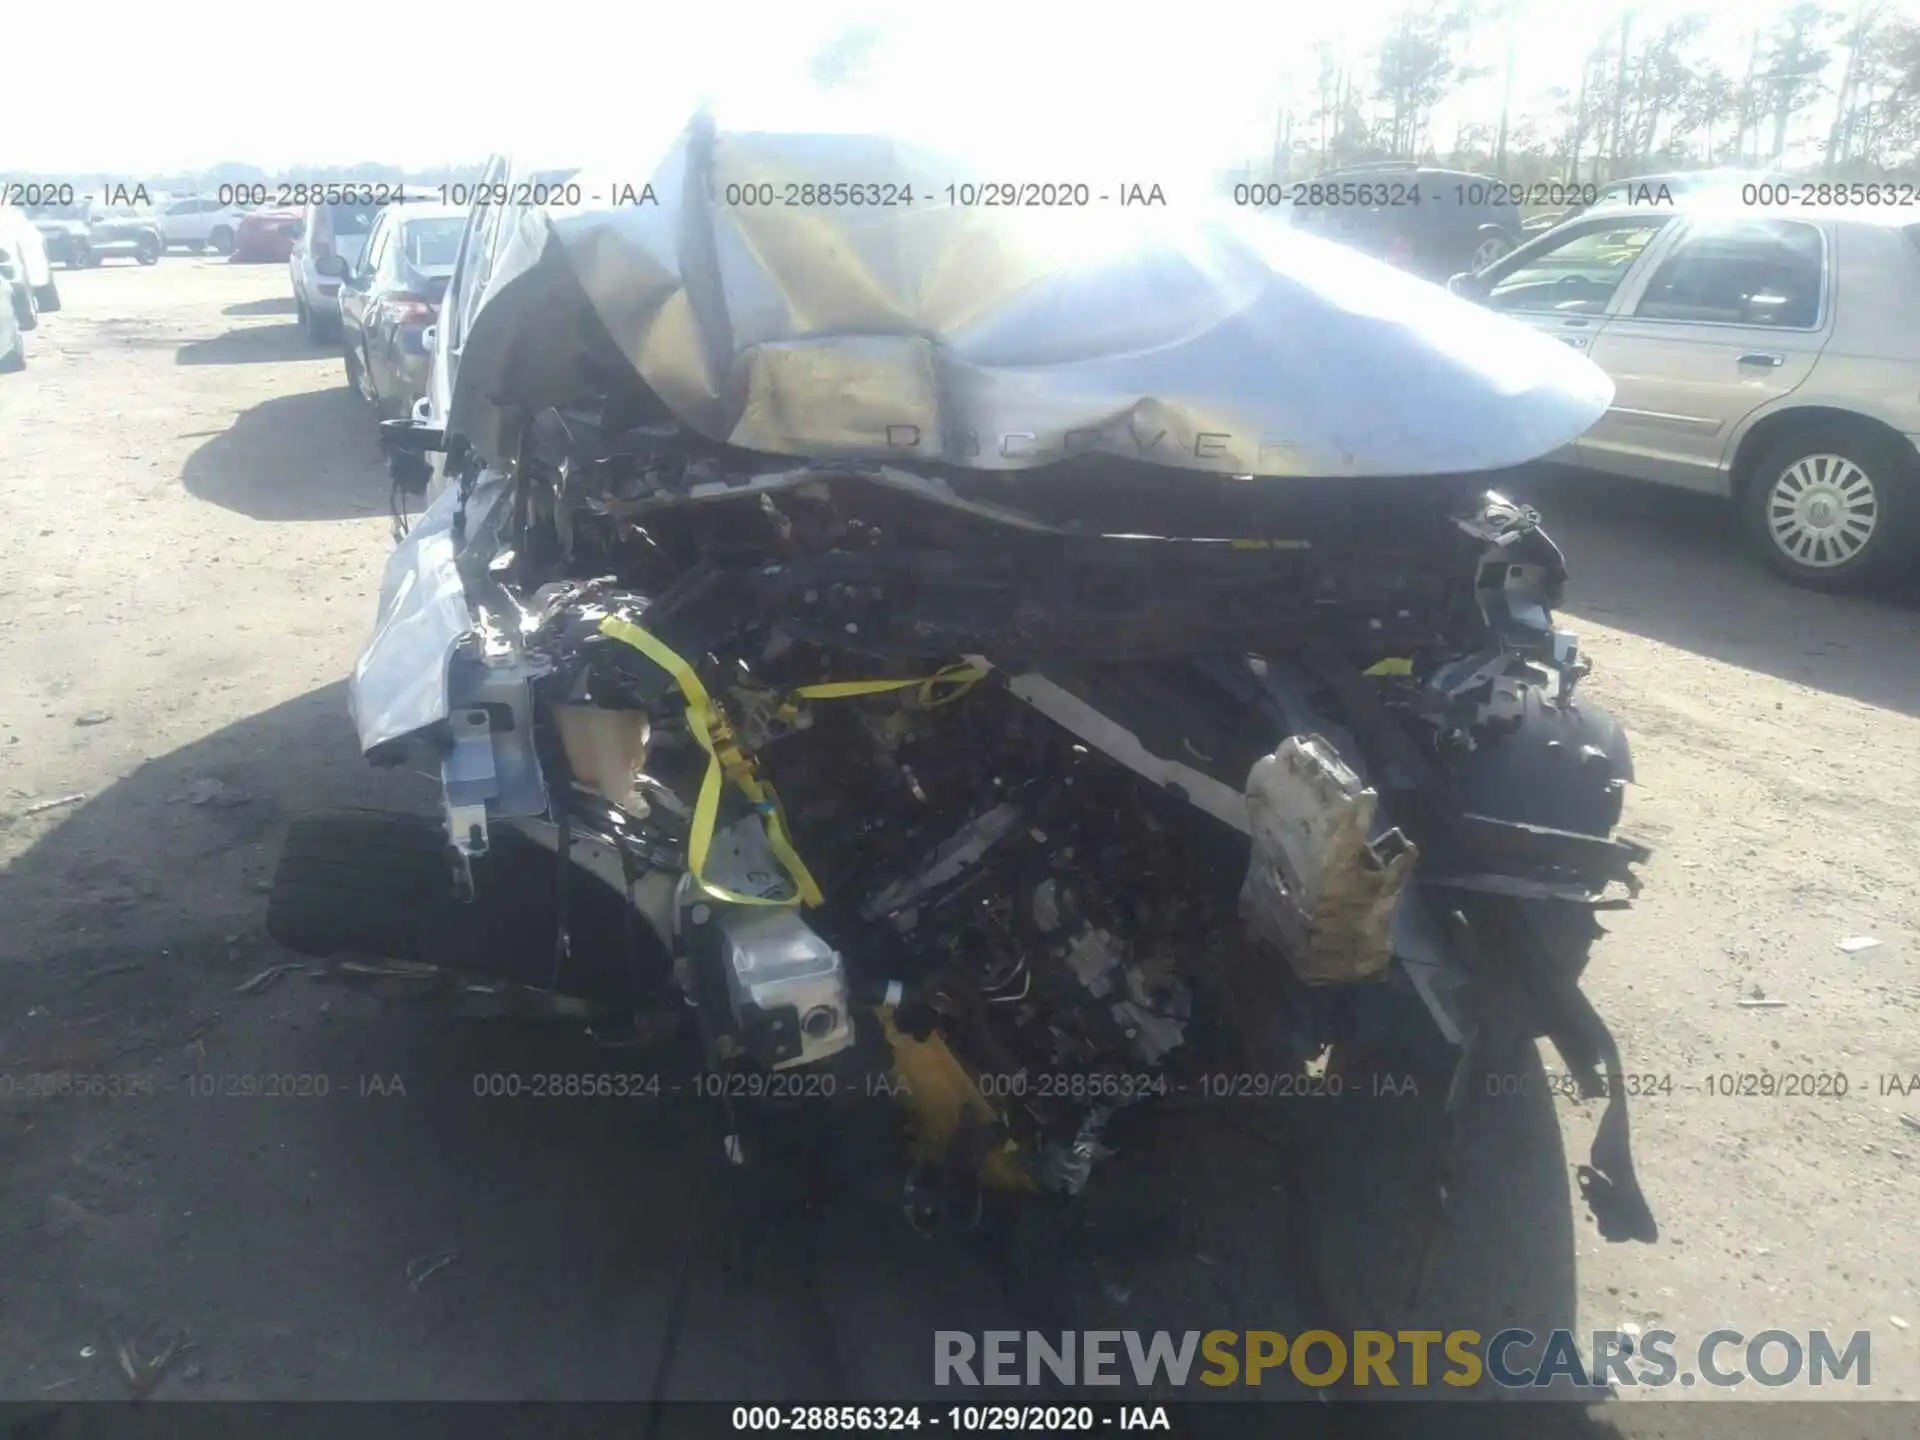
(326, 230)
(199, 222)
(26, 271)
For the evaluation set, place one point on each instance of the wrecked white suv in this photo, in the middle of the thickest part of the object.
(1041, 661)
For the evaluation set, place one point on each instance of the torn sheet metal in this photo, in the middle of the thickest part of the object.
(919, 328)
(399, 682)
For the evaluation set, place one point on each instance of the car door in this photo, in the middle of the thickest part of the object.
(1731, 317)
(380, 323)
(1566, 284)
(176, 224)
(204, 213)
(376, 323)
(357, 288)
(103, 227)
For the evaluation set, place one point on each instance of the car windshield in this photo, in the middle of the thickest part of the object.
(115, 212)
(432, 244)
(76, 211)
(352, 219)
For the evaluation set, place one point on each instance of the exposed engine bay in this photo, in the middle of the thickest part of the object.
(993, 792)
(1042, 794)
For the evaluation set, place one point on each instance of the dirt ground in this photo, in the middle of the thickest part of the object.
(194, 526)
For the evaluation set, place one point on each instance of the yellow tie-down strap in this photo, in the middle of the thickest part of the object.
(727, 761)
(955, 679)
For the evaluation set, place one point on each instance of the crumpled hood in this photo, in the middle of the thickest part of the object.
(999, 337)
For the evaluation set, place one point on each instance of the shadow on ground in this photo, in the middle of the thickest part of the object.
(310, 456)
(276, 1230)
(366, 1225)
(251, 345)
(273, 305)
(1672, 565)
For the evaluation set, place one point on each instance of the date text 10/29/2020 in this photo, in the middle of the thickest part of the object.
(1122, 1086)
(200, 1085)
(822, 194)
(960, 1419)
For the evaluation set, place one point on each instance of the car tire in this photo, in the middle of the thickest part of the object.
(26, 312)
(356, 370)
(319, 332)
(221, 240)
(379, 883)
(1490, 247)
(357, 881)
(1834, 507)
(147, 251)
(47, 297)
(92, 258)
(15, 360)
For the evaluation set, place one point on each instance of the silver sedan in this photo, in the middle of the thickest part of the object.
(1768, 355)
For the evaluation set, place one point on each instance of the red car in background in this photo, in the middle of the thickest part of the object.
(265, 236)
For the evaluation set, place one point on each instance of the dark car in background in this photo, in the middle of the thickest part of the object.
(90, 231)
(1432, 222)
(128, 230)
(390, 298)
(63, 230)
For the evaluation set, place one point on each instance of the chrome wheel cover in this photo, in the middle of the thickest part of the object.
(1822, 510)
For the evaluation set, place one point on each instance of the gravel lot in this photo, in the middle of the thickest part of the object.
(194, 526)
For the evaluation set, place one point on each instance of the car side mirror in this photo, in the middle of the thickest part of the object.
(331, 266)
